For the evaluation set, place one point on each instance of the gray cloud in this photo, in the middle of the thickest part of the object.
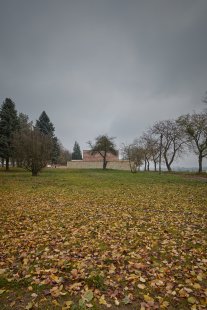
(103, 66)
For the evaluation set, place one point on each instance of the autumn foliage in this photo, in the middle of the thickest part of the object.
(89, 239)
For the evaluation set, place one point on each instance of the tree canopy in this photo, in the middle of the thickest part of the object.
(103, 145)
(45, 125)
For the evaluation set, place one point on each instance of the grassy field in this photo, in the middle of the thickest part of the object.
(89, 239)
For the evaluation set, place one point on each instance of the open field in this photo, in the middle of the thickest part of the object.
(88, 239)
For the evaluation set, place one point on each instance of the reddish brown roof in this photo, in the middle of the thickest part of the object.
(97, 157)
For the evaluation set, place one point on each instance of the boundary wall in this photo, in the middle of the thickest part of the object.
(117, 165)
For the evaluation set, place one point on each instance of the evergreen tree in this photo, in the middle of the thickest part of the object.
(45, 125)
(8, 125)
(76, 154)
(55, 151)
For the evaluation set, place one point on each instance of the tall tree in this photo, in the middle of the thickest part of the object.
(8, 125)
(76, 154)
(24, 125)
(55, 153)
(103, 145)
(173, 140)
(195, 128)
(45, 125)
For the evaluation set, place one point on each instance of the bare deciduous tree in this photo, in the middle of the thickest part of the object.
(134, 154)
(195, 128)
(173, 140)
(150, 146)
(32, 148)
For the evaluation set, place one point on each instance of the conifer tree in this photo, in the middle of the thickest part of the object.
(8, 125)
(76, 154)
(45, 125)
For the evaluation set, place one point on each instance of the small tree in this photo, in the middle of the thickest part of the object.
(8, 125)
(32, 148)
(151, 148)
(195, 129)
(103, 145)
(135, 155)
(76, 154)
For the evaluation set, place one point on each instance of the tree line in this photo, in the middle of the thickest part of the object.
(168, 140)
(26, 145)
(34, 146)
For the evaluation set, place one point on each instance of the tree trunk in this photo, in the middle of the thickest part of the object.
(2, 162)
(155, 165)
(145, 164)
(34, 173)
(104, 164)
(148, 165)
(167, 163)
(7, 164)
(168, 167)
(200, 163)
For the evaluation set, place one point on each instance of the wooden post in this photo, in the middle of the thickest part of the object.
(160, 157)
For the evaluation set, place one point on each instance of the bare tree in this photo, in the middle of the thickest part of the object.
(150, 146)
(65, 155)
(103, 145)
(135, 154)
(195, 128)
(173, 140)
(32, 148)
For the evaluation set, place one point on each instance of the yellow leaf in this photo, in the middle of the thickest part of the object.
(199, 277)
(192, 300)
(102, 300)
(2, 271)
(196, 285)
(2, 291)
(147, 298)
(165, 304)
(29, 306)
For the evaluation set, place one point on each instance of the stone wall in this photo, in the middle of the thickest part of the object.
(80, 164)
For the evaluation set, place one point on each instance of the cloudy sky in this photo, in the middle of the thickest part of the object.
(103, 66)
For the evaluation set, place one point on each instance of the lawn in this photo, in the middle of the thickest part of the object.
(92, 239)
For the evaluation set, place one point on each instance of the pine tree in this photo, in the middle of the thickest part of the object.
(55, 151)
(8, 125)
(76, 154)
(45, 125)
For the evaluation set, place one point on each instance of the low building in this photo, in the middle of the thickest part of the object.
(96, 162)
(87, 156)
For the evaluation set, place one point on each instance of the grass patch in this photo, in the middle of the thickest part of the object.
(120, 235)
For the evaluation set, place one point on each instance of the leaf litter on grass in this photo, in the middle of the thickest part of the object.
(131, 244)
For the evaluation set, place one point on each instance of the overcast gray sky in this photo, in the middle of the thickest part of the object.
(103, 66)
